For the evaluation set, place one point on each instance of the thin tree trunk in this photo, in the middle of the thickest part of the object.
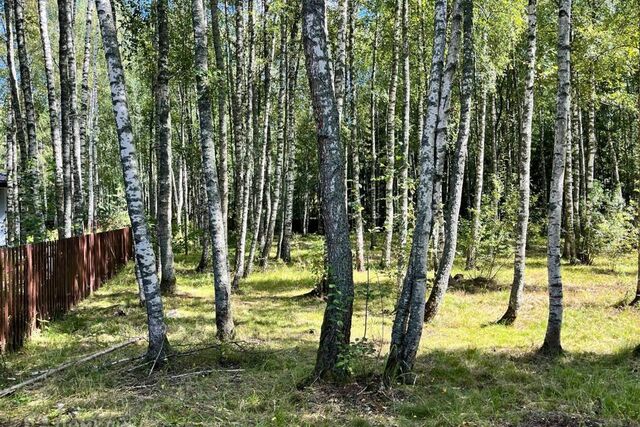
(637, 297)
(76, 155)
(32, 223)
(477, 195)
(237, 103)
(570, 239)
(222, 286)
(145, 258)
(164, 153)
(336, 326)
(54, 111)
(442, 130)
(408, 322)
(15, 129)
(374, 148)
(406, 134)
(223, 165)
(552, 345)
(457, 169)
(85, 91)
(517, 286)
(261, 179)
(355, 137)
(290, 143)
(391, 138)
(248, 163)
(280, 151)
(66, 93)
(92, 155)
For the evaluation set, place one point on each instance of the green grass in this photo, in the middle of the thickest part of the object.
(470, 371)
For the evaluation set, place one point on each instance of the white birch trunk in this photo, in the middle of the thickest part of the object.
(145, 257)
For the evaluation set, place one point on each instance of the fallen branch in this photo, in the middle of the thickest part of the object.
(14, 388)
(204, 372)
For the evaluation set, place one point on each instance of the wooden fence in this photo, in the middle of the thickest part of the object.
(44, 280)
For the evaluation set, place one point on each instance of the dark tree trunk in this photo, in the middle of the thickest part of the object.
(32, 222)
(336, 326)
(163, 133)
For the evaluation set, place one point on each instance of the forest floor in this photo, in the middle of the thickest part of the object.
(470, 370)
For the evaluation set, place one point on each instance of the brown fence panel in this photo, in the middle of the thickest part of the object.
(43, 281)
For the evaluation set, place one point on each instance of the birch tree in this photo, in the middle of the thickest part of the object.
(406, 134)
(442, 130)
(407, 325)
(164, 152)
(336, 325)
(519, 264)
(221, 283)
(32, 223)
(54, 112)
(145, 257)
(391, 138)
(457, 169)
(552, 342)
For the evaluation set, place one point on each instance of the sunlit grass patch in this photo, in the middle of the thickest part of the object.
(470, 370)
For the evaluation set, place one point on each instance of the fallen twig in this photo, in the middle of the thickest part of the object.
(14, 388)
(204, 372)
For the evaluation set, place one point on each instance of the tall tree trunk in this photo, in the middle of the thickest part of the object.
(457, 169)
(406, 134)
(145, 258)
(85, 91)
(374, 148)
(33, 221)
(223, 165)
(290, 143)
(92, 125)
(237, 103)
(54, 111)
(477, 195)
(163, 133)
(442, 130)
(570, 239)
(248, 163)
(636, 299)
(222, 286)
(355, 141)
(66, 93)
(262, 166)
(336, 326)
(391, 138)
(15, 129)
(280, 150)
(552, 345)
(66, 8)
(407, 325)
(13, 234)
(591, 149)
(517, 286)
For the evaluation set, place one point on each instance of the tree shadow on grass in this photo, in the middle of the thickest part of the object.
(476, 285)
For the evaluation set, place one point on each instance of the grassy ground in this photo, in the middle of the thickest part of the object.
(470, 371)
